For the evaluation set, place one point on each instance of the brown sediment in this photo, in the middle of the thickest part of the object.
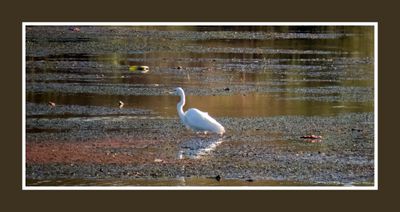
(108, 151)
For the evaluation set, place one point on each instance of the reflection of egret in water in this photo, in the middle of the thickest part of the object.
(196, 148)
(199, 147)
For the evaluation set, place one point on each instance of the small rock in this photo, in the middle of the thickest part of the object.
(139, 69)
(158, 160)
(227, 89)
(75, 29)
(121, 104)
(218, 178)
(358, 130)
(250, 180)
(179, 67)
(311, 136)
(51, 104)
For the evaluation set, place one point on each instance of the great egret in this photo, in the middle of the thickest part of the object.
(196, 119)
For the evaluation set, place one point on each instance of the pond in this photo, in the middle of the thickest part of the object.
(268, 85)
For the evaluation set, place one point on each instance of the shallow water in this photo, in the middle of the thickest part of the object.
(260, 70)
(231, 106)
(230, 72)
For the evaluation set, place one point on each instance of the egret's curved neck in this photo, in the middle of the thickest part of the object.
(180, 105)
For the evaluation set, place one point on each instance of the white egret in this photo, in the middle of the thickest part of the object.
(196, 119)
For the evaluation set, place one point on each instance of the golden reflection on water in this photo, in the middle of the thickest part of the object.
(219, 106)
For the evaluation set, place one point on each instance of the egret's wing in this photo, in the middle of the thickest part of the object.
(199, 120)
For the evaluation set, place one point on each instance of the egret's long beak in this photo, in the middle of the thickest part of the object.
(169, 92)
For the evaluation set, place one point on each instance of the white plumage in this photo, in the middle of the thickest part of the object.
(196, 119)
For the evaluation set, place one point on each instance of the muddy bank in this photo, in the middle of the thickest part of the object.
(253, 148)
(326, 93)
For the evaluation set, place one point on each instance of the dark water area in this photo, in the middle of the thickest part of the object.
(323, 74)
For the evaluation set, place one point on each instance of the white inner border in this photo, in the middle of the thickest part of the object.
(374, 24)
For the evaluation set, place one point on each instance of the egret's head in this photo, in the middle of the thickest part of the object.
(177, 91)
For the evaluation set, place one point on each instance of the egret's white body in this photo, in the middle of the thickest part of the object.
(196, 119)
